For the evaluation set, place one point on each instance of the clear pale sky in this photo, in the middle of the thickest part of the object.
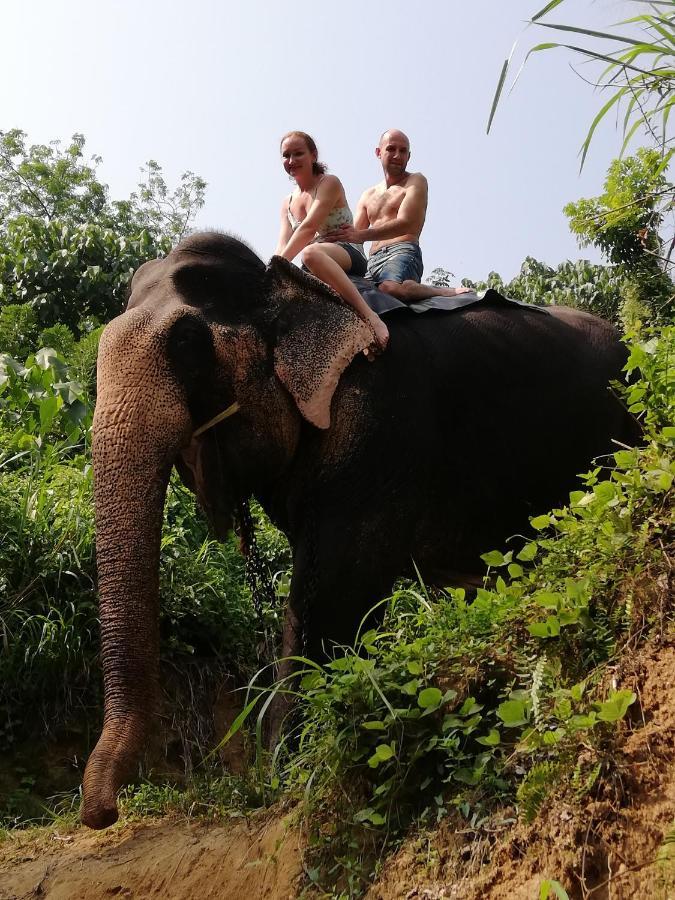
(211, 87)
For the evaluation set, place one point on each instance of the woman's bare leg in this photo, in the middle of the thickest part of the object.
(330, 263)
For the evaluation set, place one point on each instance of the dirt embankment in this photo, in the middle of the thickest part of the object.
(168, 859)
(611, 846)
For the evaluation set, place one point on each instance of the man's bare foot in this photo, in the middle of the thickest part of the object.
(452, 291)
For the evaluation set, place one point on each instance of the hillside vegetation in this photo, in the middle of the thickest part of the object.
(462, 723)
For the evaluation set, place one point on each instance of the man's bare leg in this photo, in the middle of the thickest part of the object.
(410, 291)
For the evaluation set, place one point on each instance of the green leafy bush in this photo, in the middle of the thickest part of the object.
(59, 338)
(18, 329)
(67, 273)
(41, 409)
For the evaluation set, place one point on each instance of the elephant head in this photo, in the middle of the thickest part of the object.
(205, 328)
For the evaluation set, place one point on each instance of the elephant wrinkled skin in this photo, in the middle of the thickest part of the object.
(470, 422)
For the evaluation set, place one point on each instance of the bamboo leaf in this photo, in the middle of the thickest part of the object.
(663, 165)
(500, 86)
(602, 56)
(629, 135)
(605, 109)
(546, 9)
(590, 33)
(639, 66)
(592, 54)
(666, 115)
(631, 103)
(654, 22)
(630, 55)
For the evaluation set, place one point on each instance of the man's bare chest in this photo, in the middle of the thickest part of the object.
(384, 205)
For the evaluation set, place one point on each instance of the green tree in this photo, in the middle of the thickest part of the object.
(47, 181)
(626, 222)
(66, 250)
(160, 211)
(580, 284)
(73, 275)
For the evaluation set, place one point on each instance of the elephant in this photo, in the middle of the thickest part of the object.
(439, 450)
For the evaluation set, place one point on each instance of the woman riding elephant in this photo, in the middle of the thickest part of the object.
(317, 207)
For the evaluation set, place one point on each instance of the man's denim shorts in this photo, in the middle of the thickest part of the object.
(396, 262)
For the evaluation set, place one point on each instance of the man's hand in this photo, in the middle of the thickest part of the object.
(346, 233)
(463, 290)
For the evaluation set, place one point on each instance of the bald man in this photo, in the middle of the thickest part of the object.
(391, 215)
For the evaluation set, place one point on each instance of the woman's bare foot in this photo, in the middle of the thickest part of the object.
(381, 335)
(381, 332)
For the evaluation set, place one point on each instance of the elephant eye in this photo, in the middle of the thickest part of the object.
(190, 347)
(195, 283)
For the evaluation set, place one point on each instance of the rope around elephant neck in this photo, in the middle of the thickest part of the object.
(225, 414)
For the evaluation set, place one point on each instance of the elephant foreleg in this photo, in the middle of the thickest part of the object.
(332, 589)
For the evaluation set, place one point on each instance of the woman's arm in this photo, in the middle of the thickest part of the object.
(285, 231)
(327, 194)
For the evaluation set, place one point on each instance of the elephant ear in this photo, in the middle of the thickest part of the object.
(317, 336)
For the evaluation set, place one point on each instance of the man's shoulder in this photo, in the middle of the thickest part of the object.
(416, 179)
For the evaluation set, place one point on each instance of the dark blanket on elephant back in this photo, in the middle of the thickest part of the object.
(384, 303)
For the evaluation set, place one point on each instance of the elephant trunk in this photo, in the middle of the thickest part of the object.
(132, 453)
(128, 533)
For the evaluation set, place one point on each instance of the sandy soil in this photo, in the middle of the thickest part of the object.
(170, 859)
